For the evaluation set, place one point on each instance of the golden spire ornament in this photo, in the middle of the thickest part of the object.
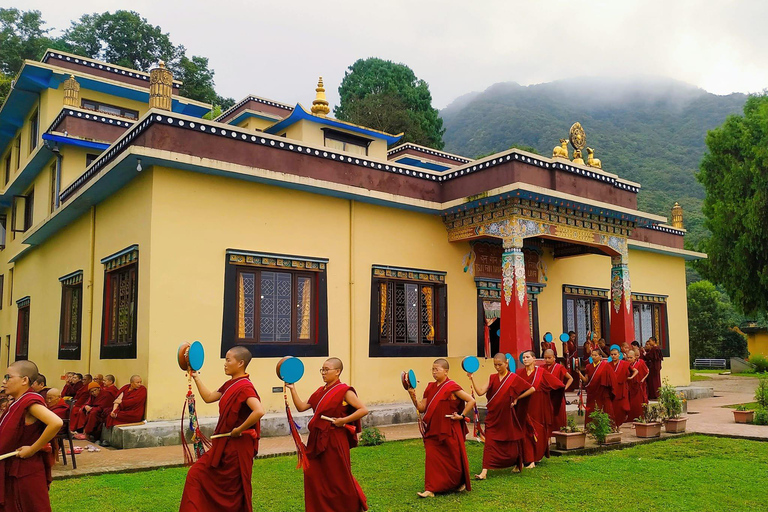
(320, 104)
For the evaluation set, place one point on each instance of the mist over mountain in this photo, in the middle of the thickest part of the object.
(645, 129)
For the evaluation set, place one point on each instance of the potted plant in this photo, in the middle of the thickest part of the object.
(649, 425)
(570, 437)
(601, 428)
(672, 404)
(743, 415)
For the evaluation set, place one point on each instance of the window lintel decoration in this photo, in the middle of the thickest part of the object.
(408, 274)
(121, 258)
(649, 297)
(585, 291)
(23, 302)
(277, 261)
(72, 278)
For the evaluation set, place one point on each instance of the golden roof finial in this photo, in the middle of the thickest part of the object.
(71, 92)
(161, 64)
(320, 104)
(677, 216)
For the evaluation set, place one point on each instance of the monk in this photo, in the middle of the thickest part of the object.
(503, 433)
(99, 379)
(548, 345)
(604, 350)
(95, 411)
(600, 383)
(27, 426)
(587, 349)
(571, 351)
(74, 383)
(638, 391)
(653, 359)
(40, 386)
(445, 431)
(221, 478)
(639, 352)
(624, 375)
(109, 386)
(129, 405)
(81, 397)
(54, 402)
(328, 482)
(536, 412)
(560, 373)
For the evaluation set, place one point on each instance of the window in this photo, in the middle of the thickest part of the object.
(52, 195)
(650, 318)
(71, 315)
(89, 158)
(33, 132)
(10, 286)
(408, 313)
(2, 286)
(118, 332)
(3, 221)
(29, 210)
(346, 142)
(22, 330)
(275, 305)
(17, 152)
(21, 212)
(7, 175)
(109, 109)
(585, 310)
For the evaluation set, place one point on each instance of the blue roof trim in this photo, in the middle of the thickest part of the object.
(415, 162)
(245, 115)
(119, 253)
(27, 175)
(299, 114)
(70, 141)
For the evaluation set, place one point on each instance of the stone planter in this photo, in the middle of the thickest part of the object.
(743, 416)
(675, 425)
(613, 438)
(648, 429)
(570, 440)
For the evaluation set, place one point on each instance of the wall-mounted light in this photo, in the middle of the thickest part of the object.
(138, 165)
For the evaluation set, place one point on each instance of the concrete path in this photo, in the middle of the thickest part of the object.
(705, 415)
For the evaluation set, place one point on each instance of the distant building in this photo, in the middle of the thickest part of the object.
(757, 338)
(130, 225)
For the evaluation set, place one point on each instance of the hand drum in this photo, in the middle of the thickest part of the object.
(470, 364)
(191, 356)
(408, 379)
(290, 369)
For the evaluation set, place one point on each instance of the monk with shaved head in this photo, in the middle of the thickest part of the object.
(130, 403)
(26, 427)
(221, 478)
(328, 482)
(559, 372)
(445, 407)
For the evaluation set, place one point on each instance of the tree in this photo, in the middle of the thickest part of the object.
(734, 172)
(711, 317)
(22, 36)
(734, 344)
(388, 96)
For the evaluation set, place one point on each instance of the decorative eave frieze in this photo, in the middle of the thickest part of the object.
(428, 151)
(89, 115)
(255, 99)
(104, 66)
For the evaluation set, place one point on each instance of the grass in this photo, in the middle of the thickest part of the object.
(697, 378)
(690, 473)
(751, 406)
(754, 375)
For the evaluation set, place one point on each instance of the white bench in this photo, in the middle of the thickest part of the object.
(709, 363)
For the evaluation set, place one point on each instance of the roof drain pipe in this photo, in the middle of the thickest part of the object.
(57, 185)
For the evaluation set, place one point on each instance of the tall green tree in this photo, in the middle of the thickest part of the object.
(734, 172)
(711, 318)
(388, 96)
(22, 36)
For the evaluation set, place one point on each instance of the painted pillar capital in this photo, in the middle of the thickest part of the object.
(622, 319)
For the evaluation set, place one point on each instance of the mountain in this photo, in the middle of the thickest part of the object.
(646, 129)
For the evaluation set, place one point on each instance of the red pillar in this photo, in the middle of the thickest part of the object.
(515, 326)
(622, 319)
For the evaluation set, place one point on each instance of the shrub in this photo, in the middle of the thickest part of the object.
(570, 426)
(761, 392)
(760, 363)
(600, 426)
(741, 408)
(652, 413)
(671, 401)
(371, 436)
(761, 417)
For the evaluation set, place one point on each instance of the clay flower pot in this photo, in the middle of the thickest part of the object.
(613, 438)
(743, 416)
(648, 429)
(675, 425)
(570, 440)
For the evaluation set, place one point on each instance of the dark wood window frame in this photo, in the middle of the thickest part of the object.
(3, 230)
(71, 299)
(662, 332)
(109, 109)
(34, 132)
(346, 138)
(7, 170)
(317, 346)
(605, 317)
(391, 348)
(22, 330)
(121, 265)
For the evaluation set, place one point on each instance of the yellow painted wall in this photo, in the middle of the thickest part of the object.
(256, 123)
(757, 343)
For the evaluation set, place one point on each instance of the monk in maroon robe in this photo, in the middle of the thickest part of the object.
(638, 391)
(27, 426)
(503, 434)
(548, 345)
(624, 375)
(559, 372)
(329, 485)
(221, 478)
(74, 382)
(653, 359)
(600, 381)
(536, 412)
(129, 405)
(40, 386)
(54, 402)
(81, 397)
(96, 410)
(571, 352)
(445, 407)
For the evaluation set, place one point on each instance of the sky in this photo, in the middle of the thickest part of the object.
(277, 49)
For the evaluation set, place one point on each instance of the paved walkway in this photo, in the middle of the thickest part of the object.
(706, 416)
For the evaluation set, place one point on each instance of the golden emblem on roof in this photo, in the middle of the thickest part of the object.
(577, 136)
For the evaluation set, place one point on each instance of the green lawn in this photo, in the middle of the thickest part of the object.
(749, 405)
(696, 378)
(754, 375)
(691, 473)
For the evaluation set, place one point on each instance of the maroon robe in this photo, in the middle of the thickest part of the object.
(503, 433)
(536, 412)
(653, 358)
(71, 390)
(328, 482)
(446, 468)
(548, 346)
(571, 352)
(600, 389)
(620, 402)
(23, 482)
(638, 391)
(559, 418)
(131, 410)
(101, 405)
(81, 398)
(221, 478)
